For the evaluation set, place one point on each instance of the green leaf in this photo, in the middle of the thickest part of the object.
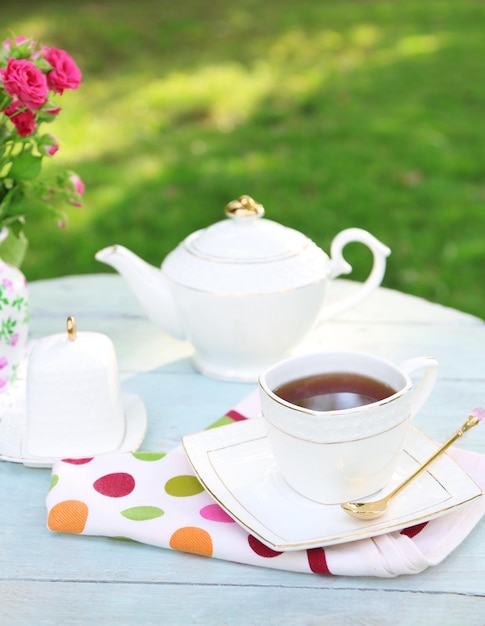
(14, 249)
(21, 50)
(43, 65)
(25, 166)
(13, 205)
(4, 102)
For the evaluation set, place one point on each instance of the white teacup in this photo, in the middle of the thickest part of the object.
(342, 454)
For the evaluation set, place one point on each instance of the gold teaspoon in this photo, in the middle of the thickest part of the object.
(371, 510)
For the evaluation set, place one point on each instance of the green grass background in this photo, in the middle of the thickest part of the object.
(331, 114)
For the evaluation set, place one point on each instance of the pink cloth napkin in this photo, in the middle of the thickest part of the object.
(155, 498)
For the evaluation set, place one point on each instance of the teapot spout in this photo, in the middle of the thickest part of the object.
(149, 286)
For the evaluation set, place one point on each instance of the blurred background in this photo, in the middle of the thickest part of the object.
(331, 114)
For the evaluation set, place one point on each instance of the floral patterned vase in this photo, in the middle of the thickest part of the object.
(14, 322)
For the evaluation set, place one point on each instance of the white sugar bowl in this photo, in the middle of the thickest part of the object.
(73, 399)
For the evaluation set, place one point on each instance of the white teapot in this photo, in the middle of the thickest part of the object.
(244, 291)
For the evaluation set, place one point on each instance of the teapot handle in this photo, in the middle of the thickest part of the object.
(338, 266)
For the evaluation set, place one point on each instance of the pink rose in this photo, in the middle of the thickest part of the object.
(49, 145)
(51, 150)
(3, 362)
(23, 80)
(77, 183)
(23, 119)
(52, 111)
(14, 340)
(78, 186)
(8, 44)
(65, 73)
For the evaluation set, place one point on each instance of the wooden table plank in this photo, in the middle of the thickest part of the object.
(244, 604)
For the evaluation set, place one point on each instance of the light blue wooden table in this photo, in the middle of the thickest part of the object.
(49, 578)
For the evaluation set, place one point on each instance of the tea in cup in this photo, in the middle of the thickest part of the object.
(337, 420)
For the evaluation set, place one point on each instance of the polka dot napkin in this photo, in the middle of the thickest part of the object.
(154, 498)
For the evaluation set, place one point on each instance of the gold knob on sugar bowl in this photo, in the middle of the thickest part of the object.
(71, 328)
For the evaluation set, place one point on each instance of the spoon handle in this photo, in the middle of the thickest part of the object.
(471, 421)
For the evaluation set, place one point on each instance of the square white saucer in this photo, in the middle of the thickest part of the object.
(237, 468)
(12, 427)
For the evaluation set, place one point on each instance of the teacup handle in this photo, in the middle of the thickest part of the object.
(423, 390)
(338, 266)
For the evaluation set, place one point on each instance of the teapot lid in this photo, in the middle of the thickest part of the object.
(245, 254)
(245, 237)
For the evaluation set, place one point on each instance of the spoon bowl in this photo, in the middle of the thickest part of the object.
(367, 510)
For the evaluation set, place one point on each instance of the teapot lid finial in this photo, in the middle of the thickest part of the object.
(244, 206)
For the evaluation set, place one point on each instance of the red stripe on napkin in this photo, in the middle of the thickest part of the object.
(317, 560)
(234, 415)
(412, 531)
